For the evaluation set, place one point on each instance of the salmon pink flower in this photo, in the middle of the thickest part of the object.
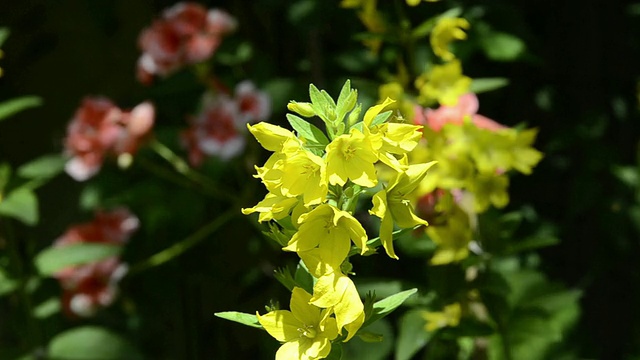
(467, 106)
(99, 129)
(185, 34)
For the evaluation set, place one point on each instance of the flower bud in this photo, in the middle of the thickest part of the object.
(302, 108)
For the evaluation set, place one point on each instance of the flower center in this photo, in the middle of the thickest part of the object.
(349, 152)
(307, 331)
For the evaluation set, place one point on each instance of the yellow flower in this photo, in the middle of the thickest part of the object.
(338, 292)
(329, 229)
(488, 190)
(394, 90)
(450, 316)
(447, 30)
(272, 207)
(351, 156)
(304, 173)
(391, 206)
(444, 83)
(524, 156)
(306, 331)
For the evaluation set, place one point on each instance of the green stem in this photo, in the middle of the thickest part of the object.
(181, 247)
(183, 168)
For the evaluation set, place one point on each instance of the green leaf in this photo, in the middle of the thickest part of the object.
(47, 308)
(358, 349)
(412, 335)
(5, 176)
(336, 352)
(242, 318)
(21, 204)
(481, 85)
(91, 343)
(7, 284)
(4, 34)
(307, 130)
(380, 118)
(385, 306)
(46, 166)
(13, 106)
(53, 259)
(629, 175)
(303, 277)
(500, 46)
(318, 102)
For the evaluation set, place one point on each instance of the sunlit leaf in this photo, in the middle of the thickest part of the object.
(242, 318)
(412, 335)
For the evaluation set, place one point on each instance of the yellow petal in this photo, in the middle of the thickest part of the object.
(281, 324)
(375, 110)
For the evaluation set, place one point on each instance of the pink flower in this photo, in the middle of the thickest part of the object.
(185, 34)
(89, 287)
(215, 131)
(254, 105)
(467, 106)
(99, 129)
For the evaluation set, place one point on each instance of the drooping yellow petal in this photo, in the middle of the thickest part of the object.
(270, 136)
(272, 207)
(375, 110)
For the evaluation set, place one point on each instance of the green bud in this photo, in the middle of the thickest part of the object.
(354, 116)
(302, 108)
(350, 103)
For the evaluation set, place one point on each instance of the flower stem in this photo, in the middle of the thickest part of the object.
(181, 247)
(183, 168)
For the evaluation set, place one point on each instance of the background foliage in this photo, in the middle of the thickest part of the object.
(575, 81)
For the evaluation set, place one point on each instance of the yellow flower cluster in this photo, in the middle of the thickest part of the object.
(314, 180)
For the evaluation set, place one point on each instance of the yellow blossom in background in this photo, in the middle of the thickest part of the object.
(417, 2)
(371, 18)
(447, 30)
(444, 83)
(452, 238)
(450, 316)
(489, 190)
(395, 91)
(306, 331)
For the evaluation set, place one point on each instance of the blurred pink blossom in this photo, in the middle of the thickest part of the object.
(185, 34)
(467, 106)
(98, 129)
(220, 127)
(89, 287)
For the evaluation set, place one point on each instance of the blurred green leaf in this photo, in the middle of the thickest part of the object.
(481, 85)
(4, 34)
(357, 349)
(5, 176)
(21, 204)
(628, 175)
(500, 46)
(280, 91)
(47, 308)
(53, 259)
(336, 352)
(14, 106)
(412, 335)
(91, 343)
(7, 284)
(242, 318)
(46, 166)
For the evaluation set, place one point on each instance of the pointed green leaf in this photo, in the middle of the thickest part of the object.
(21, 204)
(380, 118)
(43, 167)
(47, 308)
(481, 85)
(385, 306)
(13, 106)
(242, 318)
(91, 343)
(307, 130)
(4, 34)
(54, 259)
(500, 46)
